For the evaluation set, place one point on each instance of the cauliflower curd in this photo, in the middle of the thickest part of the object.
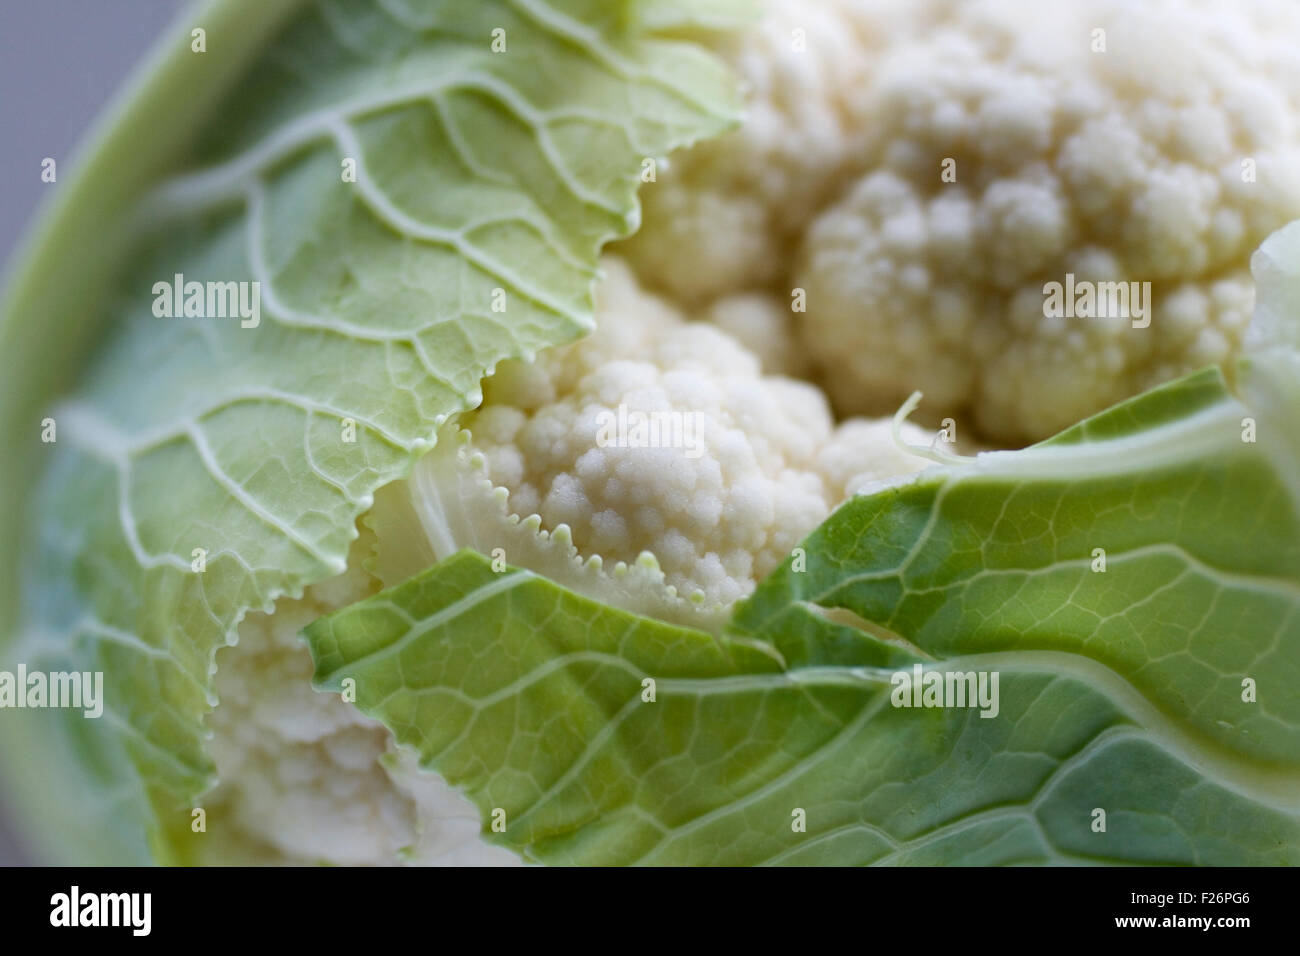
(749, 478)
(1157, 150)
(1112, 141)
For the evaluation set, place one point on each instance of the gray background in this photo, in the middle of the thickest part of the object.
(60, 63)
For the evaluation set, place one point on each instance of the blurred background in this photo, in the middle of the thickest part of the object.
(61, 61)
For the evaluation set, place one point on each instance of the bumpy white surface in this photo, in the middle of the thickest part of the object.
(1122, 165)
(769, 466)
(1119, 165)
(721, 216)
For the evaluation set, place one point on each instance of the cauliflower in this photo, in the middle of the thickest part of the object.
(1072, 151)
(911, 177)
(1110, 166)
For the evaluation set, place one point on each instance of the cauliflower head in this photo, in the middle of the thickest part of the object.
(916, 172)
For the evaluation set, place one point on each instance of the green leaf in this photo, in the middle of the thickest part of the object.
(1118, 690)
(205, 466)
(1201, 547)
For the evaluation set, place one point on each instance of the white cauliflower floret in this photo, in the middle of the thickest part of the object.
(721, 216)
(1122, 165)
(720, 503)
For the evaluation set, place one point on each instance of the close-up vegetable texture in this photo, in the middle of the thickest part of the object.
(671, 432)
